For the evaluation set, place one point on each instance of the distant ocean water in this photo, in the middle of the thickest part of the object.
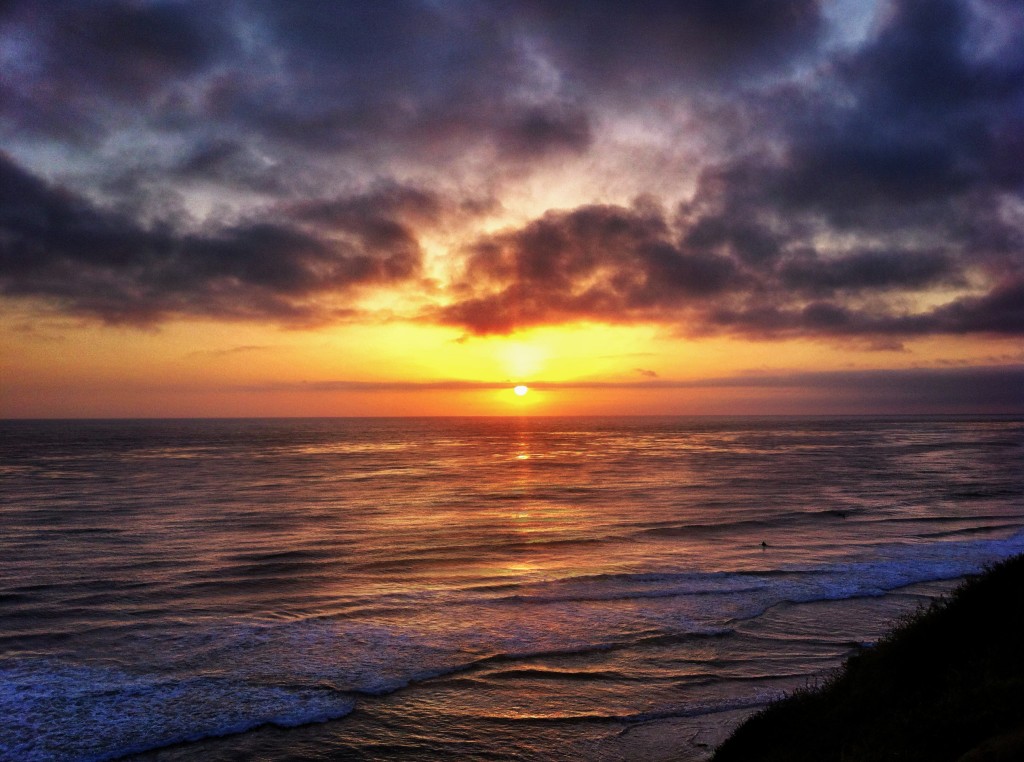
(517, 588)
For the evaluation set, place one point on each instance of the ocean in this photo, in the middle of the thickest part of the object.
(478, 588)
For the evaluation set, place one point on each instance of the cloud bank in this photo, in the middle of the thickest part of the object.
(956, 390)
(276, 163)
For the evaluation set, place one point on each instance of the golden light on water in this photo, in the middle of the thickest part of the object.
(521, 390)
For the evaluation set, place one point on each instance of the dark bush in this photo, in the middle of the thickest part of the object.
(943, 683)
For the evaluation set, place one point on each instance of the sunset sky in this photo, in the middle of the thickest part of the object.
(240, 208)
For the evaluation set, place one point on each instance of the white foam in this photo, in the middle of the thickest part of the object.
(57, 711)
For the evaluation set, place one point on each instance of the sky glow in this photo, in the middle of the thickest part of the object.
(316, 208)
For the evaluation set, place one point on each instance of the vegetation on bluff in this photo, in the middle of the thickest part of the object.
(946, 684)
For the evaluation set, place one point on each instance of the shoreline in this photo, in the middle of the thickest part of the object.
(680, 738)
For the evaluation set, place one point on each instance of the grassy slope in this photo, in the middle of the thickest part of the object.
(940, 684)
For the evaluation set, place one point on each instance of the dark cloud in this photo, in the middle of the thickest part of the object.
(903, 142)
(916, 390)
(617, 264)
(55, 245)
(910, 141)
(865, 270)
(227, 163)
(402, 76)
(914, 120)
(541, 131)
(842, 189)
(1000, 311)
(393, 72)
(83, 62)
(666, 44)
(374, 210)
(597, 262)
(406, 75)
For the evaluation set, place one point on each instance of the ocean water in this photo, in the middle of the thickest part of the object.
(518, 588)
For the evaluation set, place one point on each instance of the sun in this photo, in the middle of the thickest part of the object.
(521, 390)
